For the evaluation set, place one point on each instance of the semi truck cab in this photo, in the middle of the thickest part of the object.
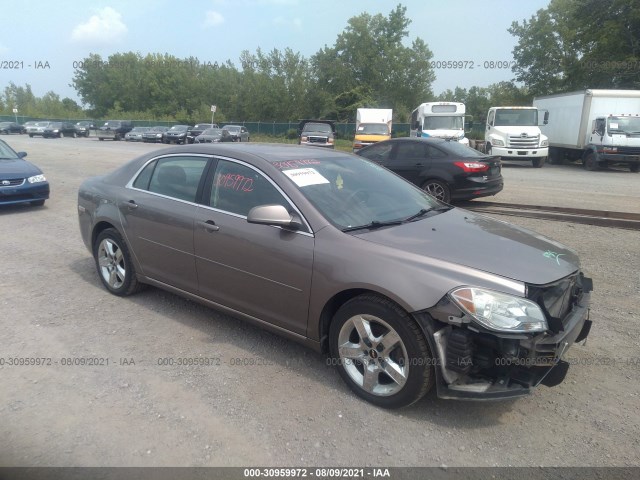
(513, 133)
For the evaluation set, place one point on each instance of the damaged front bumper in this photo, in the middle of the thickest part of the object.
(472, 364)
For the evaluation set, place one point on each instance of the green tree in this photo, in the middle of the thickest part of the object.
(371, 52)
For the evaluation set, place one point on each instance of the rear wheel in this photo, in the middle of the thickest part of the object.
(590, 162)
(633, 167)
(538, 162)
(37, 203)
(380, 352)
(437, 189)
(113, 261)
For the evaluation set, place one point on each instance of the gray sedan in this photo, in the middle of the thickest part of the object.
(338, 253)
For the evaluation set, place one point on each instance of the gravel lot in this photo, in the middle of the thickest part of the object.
(287, 407)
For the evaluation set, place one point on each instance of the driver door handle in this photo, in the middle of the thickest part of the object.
(132, 205)
(210, 226)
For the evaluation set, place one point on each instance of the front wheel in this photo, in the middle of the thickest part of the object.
(538, 162)
(113, 261)
(437, 189)
(590, 162)
(380, 352)
(633, 167)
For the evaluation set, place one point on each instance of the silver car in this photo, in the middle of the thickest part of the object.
(338, 253)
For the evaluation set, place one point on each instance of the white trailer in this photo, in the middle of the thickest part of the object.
(599, 127)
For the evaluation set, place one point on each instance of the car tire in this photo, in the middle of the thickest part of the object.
(390, 376)
(590, 163)
(30, 135)
(37, 203)
(114, 265)
(634, 167)
(538, 162)
(74, 135)
(437, 189)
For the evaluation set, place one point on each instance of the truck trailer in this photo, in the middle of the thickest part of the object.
(598, 127)
(373, 125)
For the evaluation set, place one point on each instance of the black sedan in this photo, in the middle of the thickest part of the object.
(11, 127)
(197, 129)
(20, 181)
(59, 130)
(154, 134)
(176, 134)
(214, 135)
(443, 168)
(84, 127)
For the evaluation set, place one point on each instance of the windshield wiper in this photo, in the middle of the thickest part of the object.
(421, 212)
(373, 225)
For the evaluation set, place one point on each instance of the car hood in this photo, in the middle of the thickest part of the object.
(17, 168)
(480, 242)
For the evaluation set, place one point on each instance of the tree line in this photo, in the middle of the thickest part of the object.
(570, 45)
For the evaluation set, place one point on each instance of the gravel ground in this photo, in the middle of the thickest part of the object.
(286, 407)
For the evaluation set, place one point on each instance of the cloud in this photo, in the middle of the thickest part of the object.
(104, 28)
(213, 18)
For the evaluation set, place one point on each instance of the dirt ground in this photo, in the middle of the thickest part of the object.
(263, 400)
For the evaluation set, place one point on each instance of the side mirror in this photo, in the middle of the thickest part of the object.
(546, 117)
(22, 154)
(272, 215)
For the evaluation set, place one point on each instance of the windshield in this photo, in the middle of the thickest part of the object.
(516, 117)
(6, 152)
(352, 192)
(317, 127)
(232, 128)
(202, 126)
(373, 129)
(112, 124)
(42, 124)
(626, 125)
(55, 125)
(457, 149)
(443, 123)
(158, 129)
(178, 128)
(139, 129)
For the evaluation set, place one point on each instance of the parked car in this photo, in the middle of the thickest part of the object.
(37, 128)
(114, 129)
(176, 134)
(28, 124)
(84, 127)
(135, 135)
(342, 255)
(20, 181)
(317, 133)
(11, 127)
(238, 132)
(154, 134)
(59, 130)
(214, 135)
(446, 169)
(193, 132)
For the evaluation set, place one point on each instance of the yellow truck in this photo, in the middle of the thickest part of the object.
(372, 125)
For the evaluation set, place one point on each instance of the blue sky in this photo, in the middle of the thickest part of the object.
(60, 33)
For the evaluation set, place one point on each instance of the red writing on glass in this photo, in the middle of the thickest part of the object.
(235, 181)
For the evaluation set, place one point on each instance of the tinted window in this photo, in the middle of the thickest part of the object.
(144, 177)
(378, 152)
(237, 189)
(176, 177)
(411, 150)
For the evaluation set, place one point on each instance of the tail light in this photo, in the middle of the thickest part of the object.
(472, 167)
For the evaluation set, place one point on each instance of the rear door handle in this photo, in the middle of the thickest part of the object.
(210, 226)
(132, 205)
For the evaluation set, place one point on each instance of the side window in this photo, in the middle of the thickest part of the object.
(142, 182)
(177, 177)
(410, 151)
(490, 119)
(237, 189)
(378, 153)
(433, 152)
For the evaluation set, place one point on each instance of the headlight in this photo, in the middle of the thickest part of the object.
(499, 311)
(303, 138)
(37, 179)
(544, 143)
(497, 143)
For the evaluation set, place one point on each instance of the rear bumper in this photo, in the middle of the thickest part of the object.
(477, 191)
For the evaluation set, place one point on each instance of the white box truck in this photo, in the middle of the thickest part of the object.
(599, 127)
(513, 133)
(372, 125)
(439, 119)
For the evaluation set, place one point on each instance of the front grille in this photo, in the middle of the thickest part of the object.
(557, 299)
(12, 182)
(629, 150)
(526, 141)
(317, 139)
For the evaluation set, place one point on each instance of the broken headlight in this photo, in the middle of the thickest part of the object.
(499, 311)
